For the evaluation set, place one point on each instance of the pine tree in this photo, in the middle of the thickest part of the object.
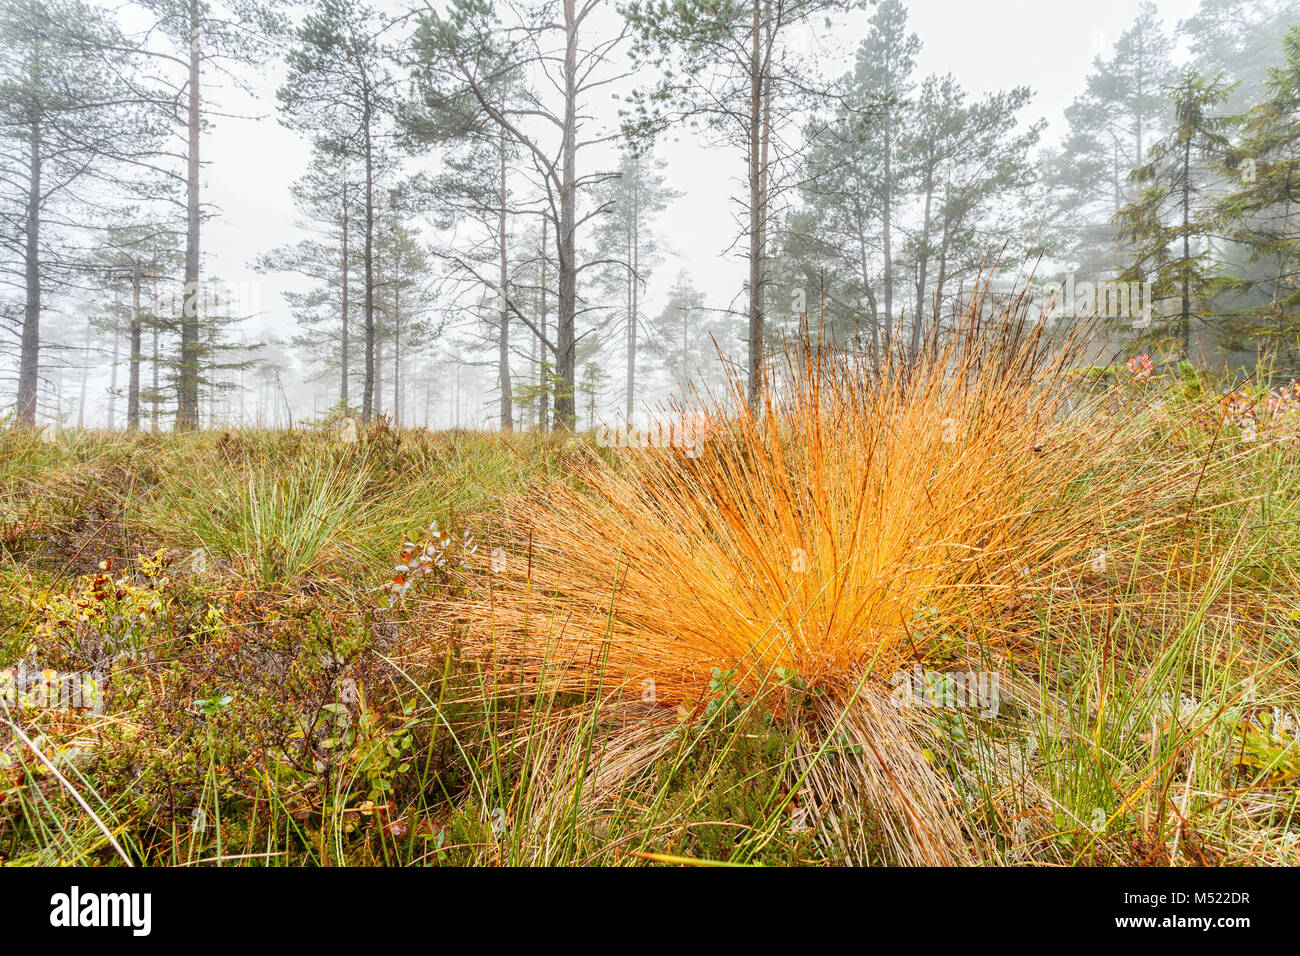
(74, 134)
(328, 197)
(340, 87)
(839, 246)
(625, 241)
(135, 259)
(203, 33)
(1240, 39)
(729, 64)
(690, 340)
(964, 158)
(1171, 224)
(1112, 125)
(1263, 213)
(589, 386)
(466, 65)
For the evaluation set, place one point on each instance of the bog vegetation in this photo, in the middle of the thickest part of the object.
(991, 607)
(859, 552)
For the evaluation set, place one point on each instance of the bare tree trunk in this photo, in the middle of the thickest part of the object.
(530, 408)
(133, 386)
(397, 353)
(369, 396)
(187, 411)
(634, 292)
(867, 290)
(85, 376)
(378, 407)
(543, 390)
(343, 374)
(565, 336)
(886, 222)
(112, 378)
(29, 357)
(1114, 176)
(755, 343)
(154, 397)
(923, 262)
(212, 393)
(503, 332)
(683, 365)
(941, 279)
(1187, 251)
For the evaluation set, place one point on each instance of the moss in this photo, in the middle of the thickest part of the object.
(728, 788)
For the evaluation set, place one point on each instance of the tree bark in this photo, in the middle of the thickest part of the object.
(565, 337)
(503, 331)
(29, 357)
(634, 290)
(368, 387)
(397, 351)
(543, 389)
(756, 231)
(886, 222)
(343, 373)
(187, 405)
(133, 386)
(1187, 251)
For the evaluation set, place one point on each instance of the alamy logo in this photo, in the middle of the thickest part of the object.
(972, 690)
(687, 434)
(50, 689)
(75, 909)
(1109, 299)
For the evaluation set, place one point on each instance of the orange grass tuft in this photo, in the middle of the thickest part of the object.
(861, 515)
(871, 518)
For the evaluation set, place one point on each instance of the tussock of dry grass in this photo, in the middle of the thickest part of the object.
(871, 518)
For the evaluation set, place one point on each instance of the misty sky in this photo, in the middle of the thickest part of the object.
(987, 44)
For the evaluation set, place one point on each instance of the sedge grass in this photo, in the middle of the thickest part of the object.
(870, 518)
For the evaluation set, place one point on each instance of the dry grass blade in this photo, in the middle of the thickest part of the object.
(871, 515)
